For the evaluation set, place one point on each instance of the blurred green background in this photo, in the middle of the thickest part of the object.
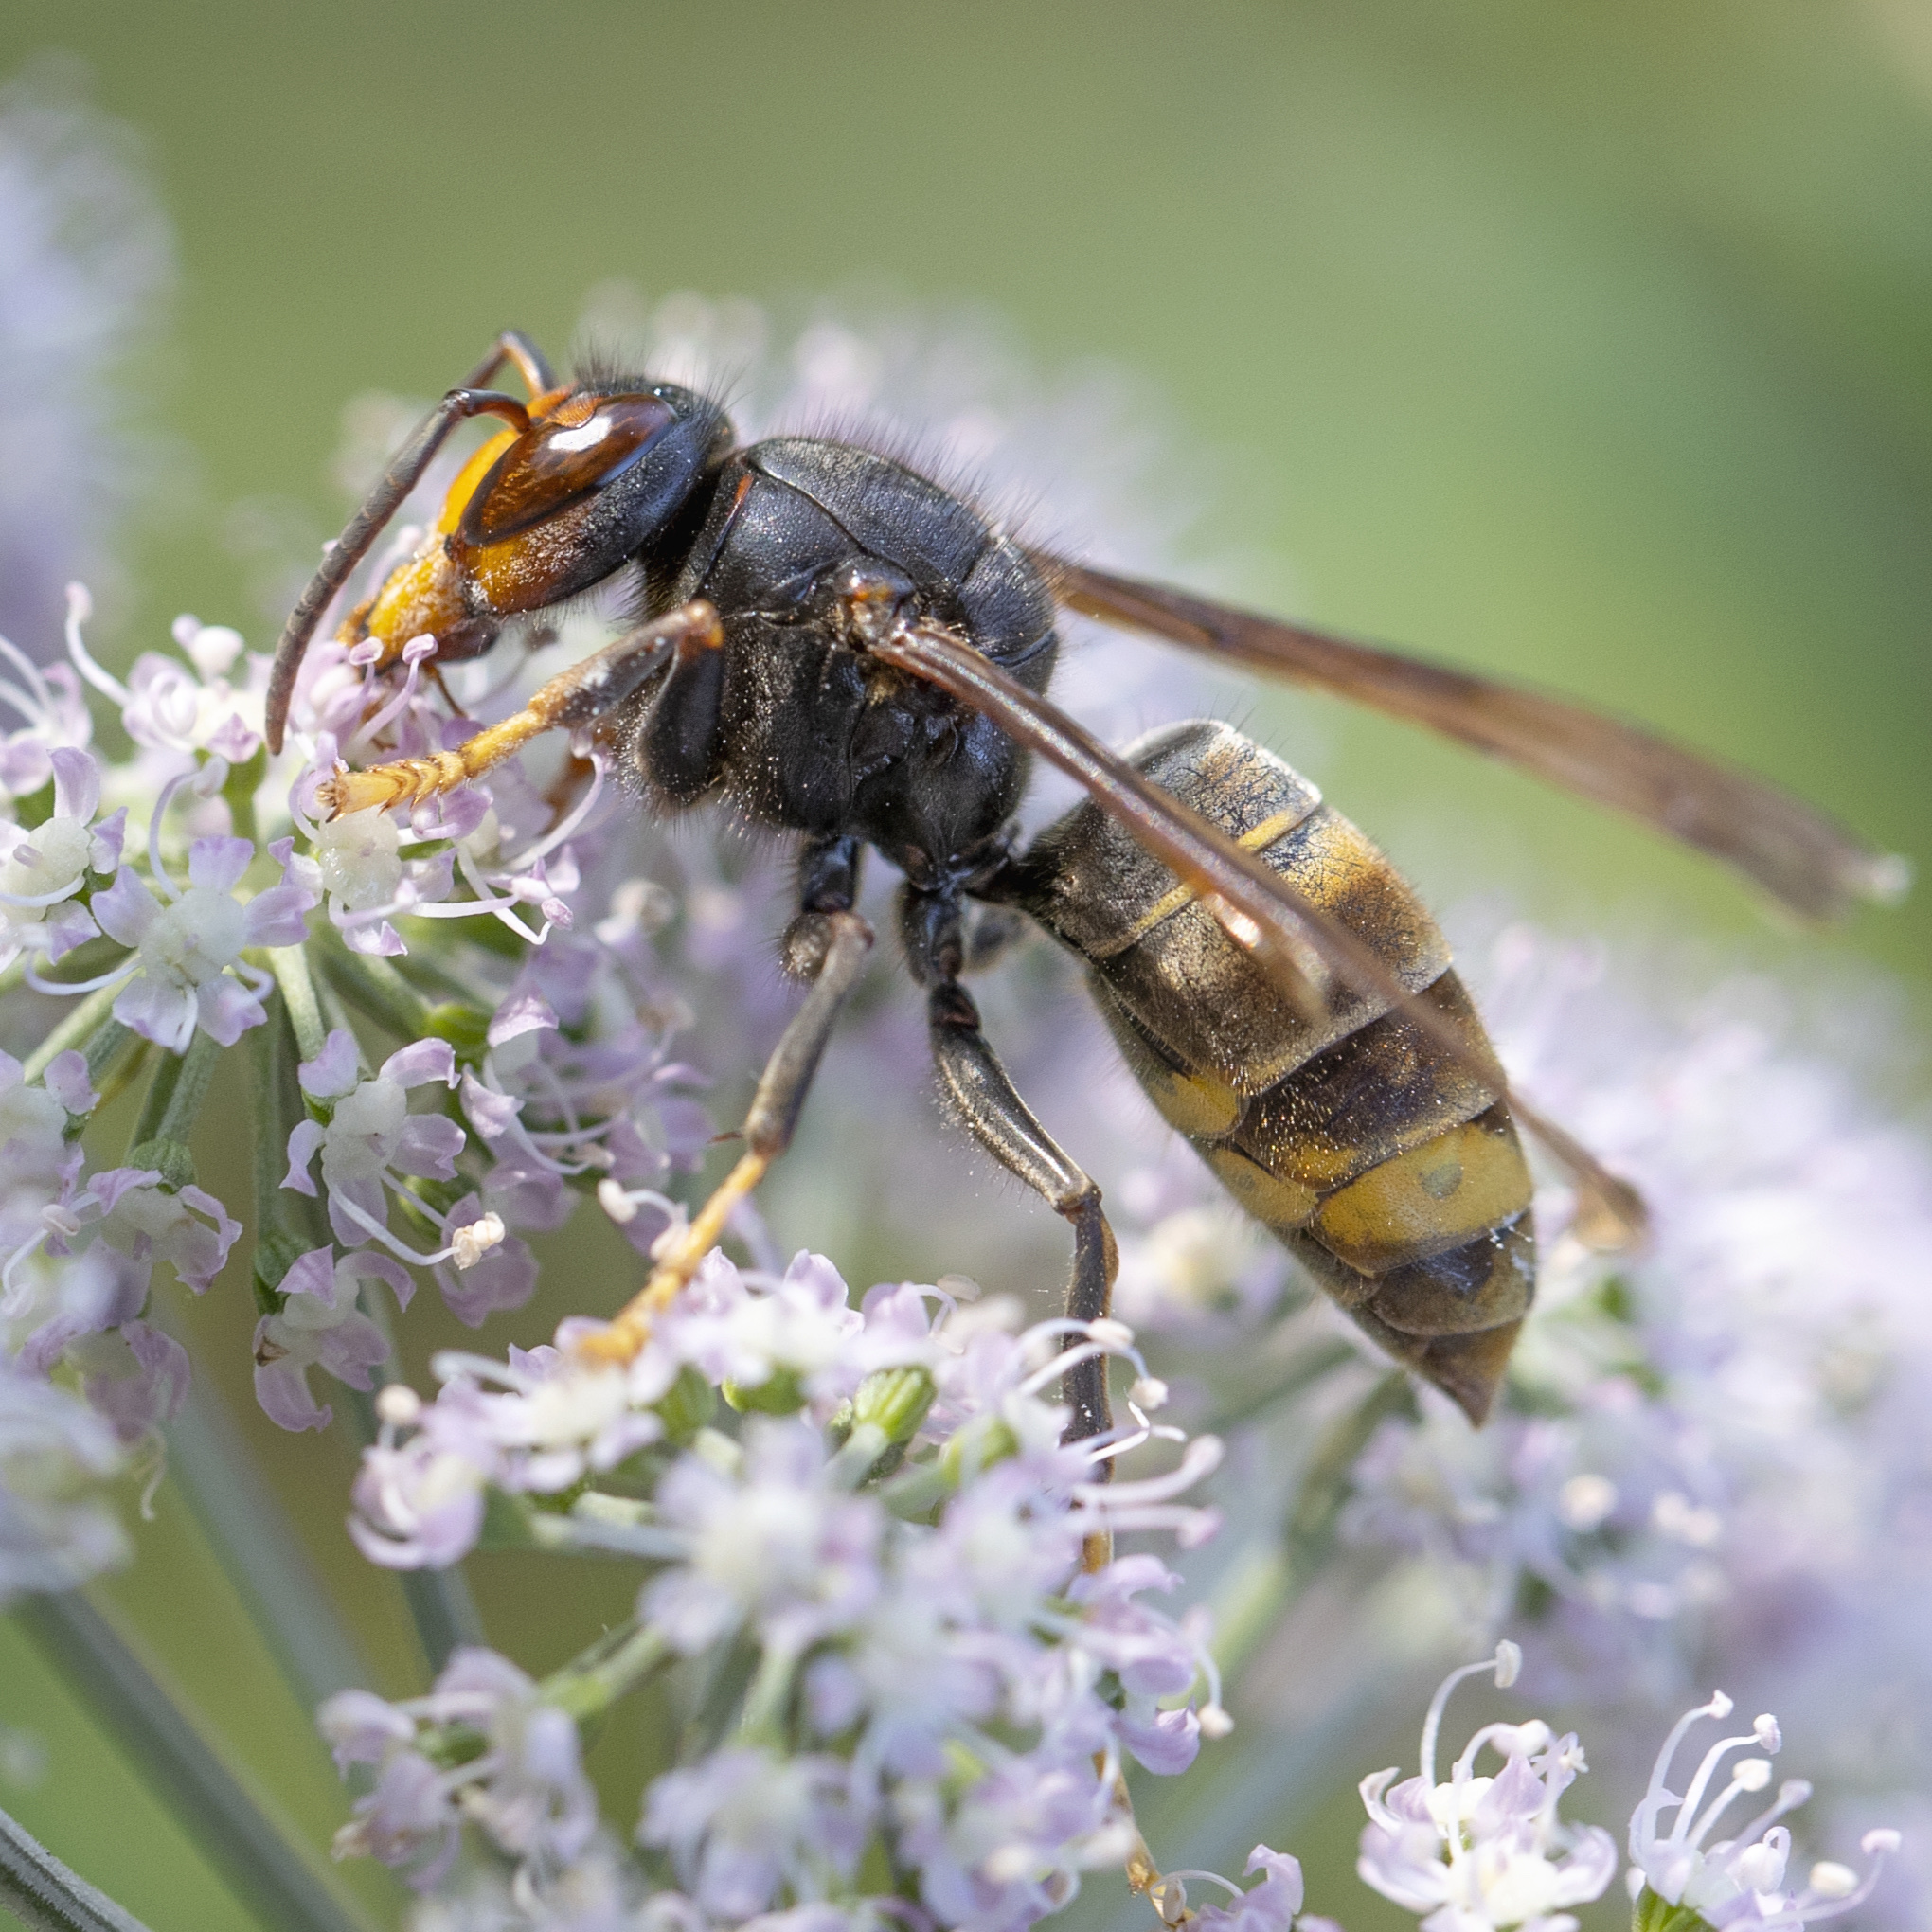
(1591, 343)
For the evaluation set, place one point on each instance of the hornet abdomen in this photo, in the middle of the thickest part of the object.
(1390, 1168)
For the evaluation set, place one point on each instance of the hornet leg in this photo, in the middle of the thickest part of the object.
(994, 1112)
(987, 1103)
(831, 948)
(580, 695)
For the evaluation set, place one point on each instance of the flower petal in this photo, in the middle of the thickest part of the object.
(333, 1072)
(66, 1080)
(219, 862)
(420, 1062)
(126, 910)
(165, 1014)
(523, 1012)
(227, 1009)
(77, 783)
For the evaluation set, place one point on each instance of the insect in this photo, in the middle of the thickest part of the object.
(846, 651)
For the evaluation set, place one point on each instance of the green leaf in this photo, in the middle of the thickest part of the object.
(1654, 1914)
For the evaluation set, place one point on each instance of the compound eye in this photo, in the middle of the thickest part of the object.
(586, 444)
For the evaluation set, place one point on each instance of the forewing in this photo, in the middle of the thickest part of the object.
(1803, 858)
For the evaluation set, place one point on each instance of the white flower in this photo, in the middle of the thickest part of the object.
(1736, 1884)
(1480, 1854)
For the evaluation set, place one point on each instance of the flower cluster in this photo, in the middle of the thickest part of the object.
(188, 931)
(1735, 1883)
(1488, 1853)
(1483, 1851)
(885, 1561)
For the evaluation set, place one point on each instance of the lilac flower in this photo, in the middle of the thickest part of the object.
(745, 1822)
(418, 1503)
(891, 1653)
(83, 1263)
(42, 870)
(131, 1374)
(371, 875)
(186, 967)
(87, 1267)
(527, 1788)
(370, 1143)
(772, 1544)
(483, 1269)
(170, 707)
(321, 1325)
(1274, 1906)
(361, 868)
(1737, 1882)
(538, 1423)
(605, 1095)
(1481, 1853)
(797, 1330)
(1713, 1453)
(53, 717)
(369, 1138)
(57, 1528)
(34, 1118)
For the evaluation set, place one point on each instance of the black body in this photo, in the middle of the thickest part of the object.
(797, 728)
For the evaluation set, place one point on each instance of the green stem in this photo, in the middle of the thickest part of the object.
(590, 1683)
(379, 989)
(42, 1892)
(762, 1718)
(167, 1115)
(583, 1689)
(244, 781)
(290, 965)
(261, 1863)
(288, 1224)
(111, 1045)
(374, 987)
(180, 1086)
(81, 1022)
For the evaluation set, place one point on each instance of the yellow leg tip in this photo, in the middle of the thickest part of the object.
(618, 1344)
